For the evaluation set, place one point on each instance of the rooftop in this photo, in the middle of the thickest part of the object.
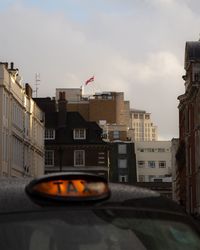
(192, 52)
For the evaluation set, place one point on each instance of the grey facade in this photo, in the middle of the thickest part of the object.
(122, 162)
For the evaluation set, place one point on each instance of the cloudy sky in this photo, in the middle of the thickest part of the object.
(132, 46)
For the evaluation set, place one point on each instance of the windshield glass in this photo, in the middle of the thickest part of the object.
(95, 229)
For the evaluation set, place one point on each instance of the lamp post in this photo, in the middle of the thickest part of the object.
(60, 158)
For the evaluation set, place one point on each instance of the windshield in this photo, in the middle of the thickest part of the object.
(95, 229)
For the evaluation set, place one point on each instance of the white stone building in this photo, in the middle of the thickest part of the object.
(21, 127)
(142, 125)
(153, 161)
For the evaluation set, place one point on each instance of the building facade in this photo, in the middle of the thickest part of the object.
(122, 162)
(188, 154)
(142, 125)
(108, 109)
(71, 142)
(153, 161)
(21, 127)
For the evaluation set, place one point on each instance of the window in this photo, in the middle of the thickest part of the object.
(136, 116)
(161, 150)
(17, 153)
(158, 180)
(151, 178)
(102, 122)
(49, 158)
(116, 134)
(151, 164)
(79, 134)
(149, 150)
(147, 117)
(122, 149)
(196, 76)
(49, 134)
(123, 178)
(162, 164)
(141, 116)
(141, 178)
(122, 163)
(79, 158)
(141, 164)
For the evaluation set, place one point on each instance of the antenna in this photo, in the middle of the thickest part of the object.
(37, 80)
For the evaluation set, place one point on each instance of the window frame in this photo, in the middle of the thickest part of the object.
(116, 134)
(153, 165)
(76, 164)
(49, 134)
(122, 149)
(53, 158)
(77, 134)
(160, 164)
(124, 161)
(141, 164)
(141, 178)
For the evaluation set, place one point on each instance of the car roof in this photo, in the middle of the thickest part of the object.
(14, 198)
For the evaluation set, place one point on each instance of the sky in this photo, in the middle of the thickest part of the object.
(131, 46)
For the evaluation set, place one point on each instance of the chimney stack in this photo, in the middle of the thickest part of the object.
(62, 110)
(11, 65)
(28, 90)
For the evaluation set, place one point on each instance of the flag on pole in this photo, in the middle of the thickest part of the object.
(91, 79)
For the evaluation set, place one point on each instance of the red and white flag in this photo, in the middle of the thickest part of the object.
(91, 79)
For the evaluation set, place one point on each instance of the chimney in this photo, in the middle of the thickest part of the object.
(13, 71)
(5, 64)
(62, 110)
(28, 90)
(11, 65)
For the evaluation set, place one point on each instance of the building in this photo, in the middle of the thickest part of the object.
(154, 169)
(71, 142)
(122, 162)
(108, 109)
(153, 160)
(142, 125)
(112, 113)
(188, 154)
(21, 127)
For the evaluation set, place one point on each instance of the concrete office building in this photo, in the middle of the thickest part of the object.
(21, 127)
(153, 160)
(142, 125)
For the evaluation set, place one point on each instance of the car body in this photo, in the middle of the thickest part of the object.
(124, 217)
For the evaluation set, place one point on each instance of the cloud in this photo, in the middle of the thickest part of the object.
(136, 47)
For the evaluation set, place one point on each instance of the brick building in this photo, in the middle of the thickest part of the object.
(188, 154)
(108, 109)
(71, 142)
